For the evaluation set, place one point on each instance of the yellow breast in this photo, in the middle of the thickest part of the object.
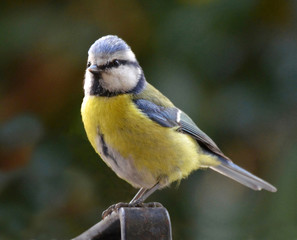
(157, 152)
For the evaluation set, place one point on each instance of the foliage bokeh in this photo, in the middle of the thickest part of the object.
(231, 65)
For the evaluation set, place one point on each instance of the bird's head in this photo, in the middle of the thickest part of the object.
(112, 69)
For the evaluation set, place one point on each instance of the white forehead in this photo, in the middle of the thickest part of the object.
(108, 48)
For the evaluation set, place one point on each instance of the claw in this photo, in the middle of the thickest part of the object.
(114, 208)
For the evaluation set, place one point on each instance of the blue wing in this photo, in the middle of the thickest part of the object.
(166, 117)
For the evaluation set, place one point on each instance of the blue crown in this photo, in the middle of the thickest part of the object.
(109, 44)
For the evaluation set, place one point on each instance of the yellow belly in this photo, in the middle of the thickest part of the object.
(156, 153)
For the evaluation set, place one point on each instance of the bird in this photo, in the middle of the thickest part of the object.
(139, 133)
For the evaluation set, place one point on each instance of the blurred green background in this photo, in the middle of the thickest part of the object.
(231, 65)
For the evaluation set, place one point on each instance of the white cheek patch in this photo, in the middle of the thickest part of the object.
(118, 79)
(121, 79)
(87, 83)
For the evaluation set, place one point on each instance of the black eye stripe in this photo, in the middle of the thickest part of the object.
(116, 63)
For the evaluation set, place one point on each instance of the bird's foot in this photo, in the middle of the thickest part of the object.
(117, 206)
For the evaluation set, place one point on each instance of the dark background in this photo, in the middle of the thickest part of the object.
(231, 65)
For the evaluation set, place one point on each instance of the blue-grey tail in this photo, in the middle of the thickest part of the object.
(242, 176)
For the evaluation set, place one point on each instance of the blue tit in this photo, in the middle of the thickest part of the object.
(138, 132)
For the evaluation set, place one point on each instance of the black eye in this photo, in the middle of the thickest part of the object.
(88, 64)
(116, 63)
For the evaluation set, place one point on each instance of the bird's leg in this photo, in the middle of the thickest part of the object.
(138, 194)
(143, 194)
(137, 200)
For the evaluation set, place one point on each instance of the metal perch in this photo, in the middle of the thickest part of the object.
(151, 223)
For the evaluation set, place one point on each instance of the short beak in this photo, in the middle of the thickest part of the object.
(94, 69)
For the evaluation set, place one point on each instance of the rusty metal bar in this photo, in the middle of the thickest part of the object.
(147, 223)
